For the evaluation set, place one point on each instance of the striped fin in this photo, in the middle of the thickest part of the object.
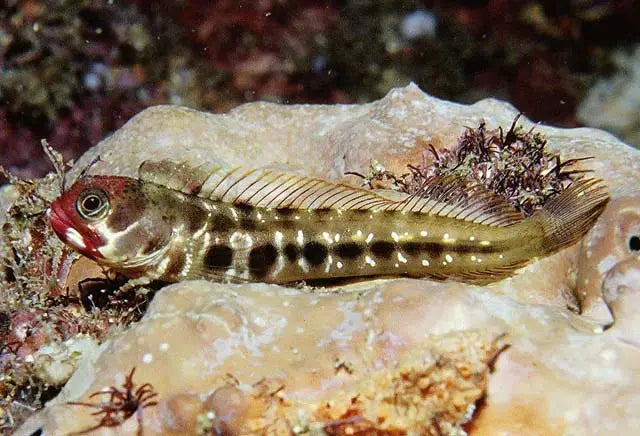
(441, 196)
(174, 175)
(478, 277)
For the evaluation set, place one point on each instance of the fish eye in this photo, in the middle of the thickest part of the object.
(634, 243)
(92, 204)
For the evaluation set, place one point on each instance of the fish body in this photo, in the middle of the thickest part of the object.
(263, 226)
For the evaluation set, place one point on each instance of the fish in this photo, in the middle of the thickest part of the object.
(177, 222)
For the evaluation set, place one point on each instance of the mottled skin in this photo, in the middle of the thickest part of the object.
(150, 231)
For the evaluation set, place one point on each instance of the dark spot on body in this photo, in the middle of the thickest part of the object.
(437, 248)
(124, 214)
(196, 219)
(286, 212)
(349, 250)
(383, 249)
(176, 263)
(413, 247)
(194, 189)
(222, 223)
(315, 253)
(433, 249)
(155, 242)
(287, 224)
(244, 208)
(248, 224)
(292, 252)
(218, 256)
(261, 259)
(324, 214)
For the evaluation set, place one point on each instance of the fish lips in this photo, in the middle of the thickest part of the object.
(65, 228)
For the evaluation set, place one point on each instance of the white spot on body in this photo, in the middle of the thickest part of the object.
(300, 238)
(279, 266)
(162, 266)
(327, 237)
(241, 241)
(485, 243)
(369, 238)
(395, 236)
(207, 241)
(336, 238)
(359, 233)
(164, 346)
(401, 258)
(327, 267)
(339, 264)
(304, 266)
(423, 233)
(446, 238)
(370, 261)
(188, 260)
(147, 358)
(472, 238)
(448, 258)
(75, 238)
(201, 230)
(278, 238)
(425, 262)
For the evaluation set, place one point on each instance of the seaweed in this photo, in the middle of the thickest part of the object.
(516, 165)
(121, 404)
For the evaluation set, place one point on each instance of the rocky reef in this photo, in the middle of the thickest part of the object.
(552, 350)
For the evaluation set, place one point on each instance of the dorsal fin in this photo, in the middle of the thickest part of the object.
(442, 196)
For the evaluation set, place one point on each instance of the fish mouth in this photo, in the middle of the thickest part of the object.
(65, 229)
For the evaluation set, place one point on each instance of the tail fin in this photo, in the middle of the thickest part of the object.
(569, 216)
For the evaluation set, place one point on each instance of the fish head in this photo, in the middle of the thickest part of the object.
(101, 217)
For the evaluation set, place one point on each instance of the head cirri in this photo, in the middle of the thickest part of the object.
(96, 212)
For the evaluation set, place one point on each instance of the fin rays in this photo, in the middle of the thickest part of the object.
(441, 196)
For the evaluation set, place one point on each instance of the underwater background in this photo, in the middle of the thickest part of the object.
(73, 71)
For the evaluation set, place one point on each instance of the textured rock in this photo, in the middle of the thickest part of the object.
(378, 354)
(613, 102)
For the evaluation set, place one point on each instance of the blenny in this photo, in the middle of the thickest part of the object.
(175, 222)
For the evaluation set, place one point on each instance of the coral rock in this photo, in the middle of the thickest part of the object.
(385, 356)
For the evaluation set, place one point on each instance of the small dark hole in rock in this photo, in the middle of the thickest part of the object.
(49, 393)
(634, 243)
(94, 293)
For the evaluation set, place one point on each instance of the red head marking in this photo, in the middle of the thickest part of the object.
(68, 223)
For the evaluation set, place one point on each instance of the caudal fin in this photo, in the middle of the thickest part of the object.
(569, 216)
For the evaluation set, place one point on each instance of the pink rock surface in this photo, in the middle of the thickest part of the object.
(415, 354)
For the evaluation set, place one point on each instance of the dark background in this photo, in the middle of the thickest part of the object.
(74, 71)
